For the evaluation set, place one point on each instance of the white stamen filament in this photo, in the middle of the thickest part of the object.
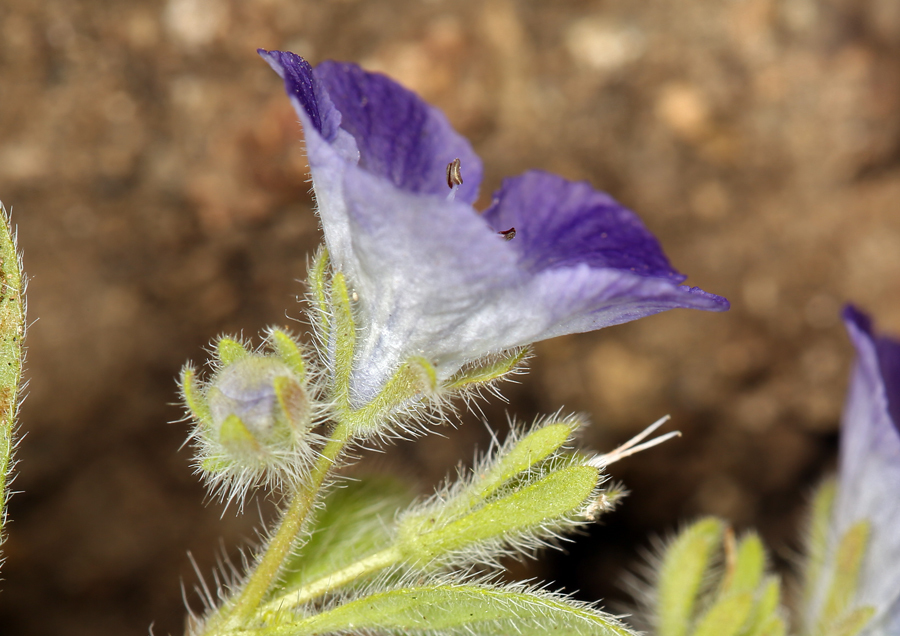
(633, 445)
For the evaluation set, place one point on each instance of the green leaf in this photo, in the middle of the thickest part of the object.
(12, 331)
(460, 609)
(680, 578)
(356, 522)
(726, 617)
(848, 559)
(481, 374)
(527, 452)
(230, 351)
(561, 494)
(289, 352)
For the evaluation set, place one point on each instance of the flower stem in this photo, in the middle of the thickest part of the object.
(369, 565)
(235, 614)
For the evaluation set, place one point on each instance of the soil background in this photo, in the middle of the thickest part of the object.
(156, 174)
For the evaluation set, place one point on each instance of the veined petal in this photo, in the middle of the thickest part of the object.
(562, 223)
(436, 279)
(398, 136)
(869, 476)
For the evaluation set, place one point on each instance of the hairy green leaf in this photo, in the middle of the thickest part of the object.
(548, 501)
(460, 609)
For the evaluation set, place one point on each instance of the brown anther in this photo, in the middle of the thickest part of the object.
(509, 234)
(454, 173)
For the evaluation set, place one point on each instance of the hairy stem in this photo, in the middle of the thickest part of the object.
(336, 580)
(235, 614)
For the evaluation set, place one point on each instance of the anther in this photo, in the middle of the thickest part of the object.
(509, 234)
(454, 173)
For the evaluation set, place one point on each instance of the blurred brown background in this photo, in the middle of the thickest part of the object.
(156, 175)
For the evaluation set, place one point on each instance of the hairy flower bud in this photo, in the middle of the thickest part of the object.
(263, 394)
(254, 415)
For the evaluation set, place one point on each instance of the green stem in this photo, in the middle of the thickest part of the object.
(336, 580)
(279, 548)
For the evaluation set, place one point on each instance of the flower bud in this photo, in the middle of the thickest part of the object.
(254, 416)
(263, 395)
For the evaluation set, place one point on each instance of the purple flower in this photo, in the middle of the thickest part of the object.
(434, 277)
(869, 474)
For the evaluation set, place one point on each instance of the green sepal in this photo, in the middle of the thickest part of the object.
(288, 352)
(416, 377)
(356, 521)
(345, 340)
(459, 610)
(851, 623)
(235, 435)
(773, 627)
(427, 539)
(193, 397)
(12, 331)
(726, 617)
(817, 540)
(749, 566)
(481, 374)
(293, 401)
(318, 285)
(684, 565)
(230, 351)
(766, 609)
(847, 562)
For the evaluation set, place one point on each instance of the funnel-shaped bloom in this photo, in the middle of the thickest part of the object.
(435, 278)
(869, 478)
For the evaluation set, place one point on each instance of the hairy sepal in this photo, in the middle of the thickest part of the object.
(711, 585)
(686, 563)
(838, 613)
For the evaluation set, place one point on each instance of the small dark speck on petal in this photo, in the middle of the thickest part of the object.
(509, 234)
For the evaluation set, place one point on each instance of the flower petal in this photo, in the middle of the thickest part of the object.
(398, 136)
(869, 479)
(563, 223)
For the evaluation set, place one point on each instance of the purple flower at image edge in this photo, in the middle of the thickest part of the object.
(869, 473)
(434, 277)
